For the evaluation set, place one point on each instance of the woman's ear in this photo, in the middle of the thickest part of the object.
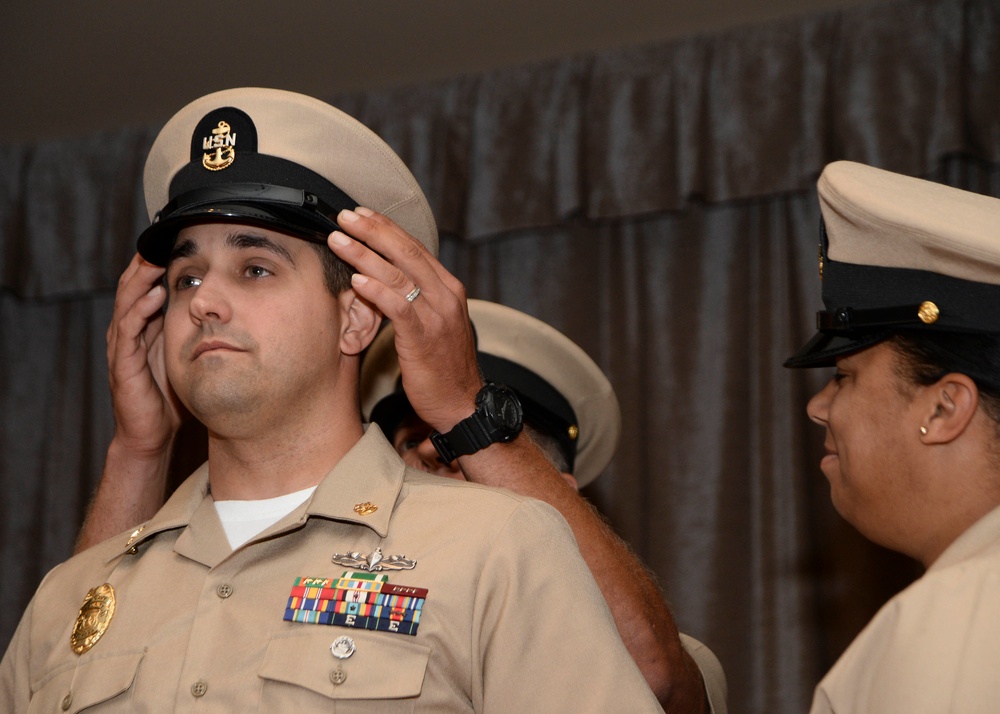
(953, 401)
(360, 325)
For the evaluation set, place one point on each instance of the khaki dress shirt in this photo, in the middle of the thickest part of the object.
(935, 647)
(512, 620)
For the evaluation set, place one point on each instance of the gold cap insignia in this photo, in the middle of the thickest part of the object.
(95, 615)
(365, 509)
(221, 148)
(928, 312)
(573, 431)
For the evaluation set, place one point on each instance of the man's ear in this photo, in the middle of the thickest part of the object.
(360, 325)
(571, 480)
(952, 402)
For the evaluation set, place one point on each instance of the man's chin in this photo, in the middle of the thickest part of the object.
(217, 404)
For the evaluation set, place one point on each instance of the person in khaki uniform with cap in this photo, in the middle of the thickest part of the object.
(578, 433)
(305, 565)
(571, 413)
(911, 284)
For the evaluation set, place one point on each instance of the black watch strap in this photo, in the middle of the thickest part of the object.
(467, 437)
(498, 418)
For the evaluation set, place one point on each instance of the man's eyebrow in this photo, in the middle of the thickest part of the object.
(244, 241)
(240, 240)
(184, 249)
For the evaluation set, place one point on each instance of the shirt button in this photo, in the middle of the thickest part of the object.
(199, 688)
(338, 676)
(224, 590)
(67, 702)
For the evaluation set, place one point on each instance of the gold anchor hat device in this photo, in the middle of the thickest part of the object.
(274, 159)
(898, 254)
(563, 392)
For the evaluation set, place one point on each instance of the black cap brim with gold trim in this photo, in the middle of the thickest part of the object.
(562, 390)
(900, 254)
(273, 159)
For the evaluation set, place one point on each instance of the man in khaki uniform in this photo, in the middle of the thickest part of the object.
(571, 413)
(305, 565)
(911, 284)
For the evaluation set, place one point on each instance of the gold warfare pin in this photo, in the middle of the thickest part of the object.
(95, 615)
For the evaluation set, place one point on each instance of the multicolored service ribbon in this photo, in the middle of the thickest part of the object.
(357, 599)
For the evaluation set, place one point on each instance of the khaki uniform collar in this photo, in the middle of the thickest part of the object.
(362, 488)
(367, 480)
(982, 535)
(175, 513)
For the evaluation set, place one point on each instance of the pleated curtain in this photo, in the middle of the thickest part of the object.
(657, 205)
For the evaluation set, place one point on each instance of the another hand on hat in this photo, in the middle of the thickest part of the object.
(434, 338)
(147, 413)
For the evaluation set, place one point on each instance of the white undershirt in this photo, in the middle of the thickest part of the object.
(242, 520)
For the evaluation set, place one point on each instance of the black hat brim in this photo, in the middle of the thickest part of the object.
(825, 347)
(156, 243)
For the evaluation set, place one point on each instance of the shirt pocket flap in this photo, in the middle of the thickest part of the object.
(96, 680)
(379, 666)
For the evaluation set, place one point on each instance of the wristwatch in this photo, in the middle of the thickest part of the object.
(498, 418)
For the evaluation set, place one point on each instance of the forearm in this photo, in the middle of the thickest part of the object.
(131, 490)
(641, 615)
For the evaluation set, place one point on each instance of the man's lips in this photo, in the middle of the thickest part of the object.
(213, 345)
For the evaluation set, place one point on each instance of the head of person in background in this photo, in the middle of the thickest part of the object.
(569, 406)
(910, 274)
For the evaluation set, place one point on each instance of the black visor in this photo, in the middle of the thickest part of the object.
(292, 211)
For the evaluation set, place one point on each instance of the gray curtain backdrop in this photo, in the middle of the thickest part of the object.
(655, 204)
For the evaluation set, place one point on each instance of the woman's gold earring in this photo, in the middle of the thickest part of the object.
(923, 430)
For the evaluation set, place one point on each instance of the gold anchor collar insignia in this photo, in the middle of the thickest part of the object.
(365, 509)
(135, 534)
(94, 618)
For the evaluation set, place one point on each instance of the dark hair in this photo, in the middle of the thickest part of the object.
(927, 356)
(336, 272)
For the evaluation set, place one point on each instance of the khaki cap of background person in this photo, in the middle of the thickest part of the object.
(275, 159)
(563, 391)
(901, 253)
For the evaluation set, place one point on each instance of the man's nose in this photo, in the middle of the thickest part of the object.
(210, 302)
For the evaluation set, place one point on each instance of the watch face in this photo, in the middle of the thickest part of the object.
(510, 414)
(503, 408)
